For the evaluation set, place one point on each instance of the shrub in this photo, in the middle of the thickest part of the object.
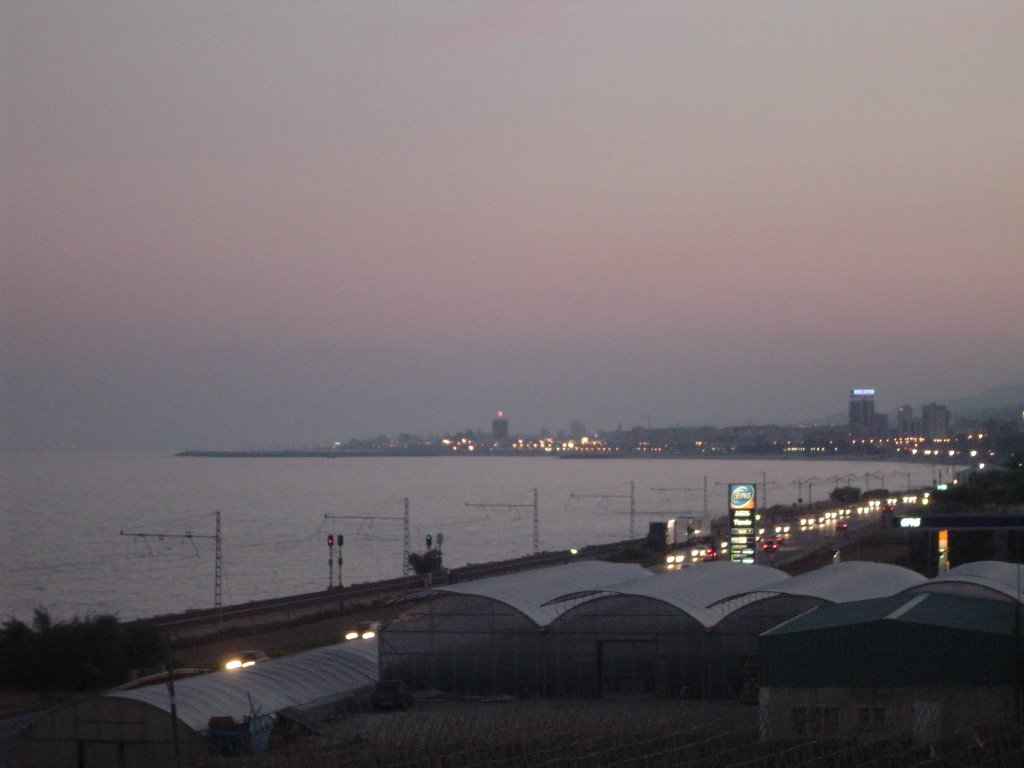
(81, 654)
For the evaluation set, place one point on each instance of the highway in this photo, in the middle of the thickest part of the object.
(812, 532)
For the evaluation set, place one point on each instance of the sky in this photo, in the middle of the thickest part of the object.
(278, 224)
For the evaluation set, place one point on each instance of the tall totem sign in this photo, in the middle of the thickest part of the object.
(743, 519)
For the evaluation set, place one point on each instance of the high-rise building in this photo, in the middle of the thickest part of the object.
(905, 421)
(934, 421)
(862, 412)
(499, 427)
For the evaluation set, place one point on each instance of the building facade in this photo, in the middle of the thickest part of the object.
(499, 427)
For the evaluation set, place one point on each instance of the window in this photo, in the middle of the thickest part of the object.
(870, 718)
(815, 721)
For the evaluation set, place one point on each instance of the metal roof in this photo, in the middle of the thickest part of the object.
(951, 611)
(695, 589)
(907, 640)
(300, 680)
(988, 578)
(528, 591)
(839, 583)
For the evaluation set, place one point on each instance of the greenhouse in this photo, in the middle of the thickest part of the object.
(486, 637)
(135, 727)
(987, 578)
(650, 636)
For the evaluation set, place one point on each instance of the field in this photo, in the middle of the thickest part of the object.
(586, 733)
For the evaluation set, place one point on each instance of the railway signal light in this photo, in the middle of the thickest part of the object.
(330, 540)
(430, 541)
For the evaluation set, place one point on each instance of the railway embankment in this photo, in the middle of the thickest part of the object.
(197, 625)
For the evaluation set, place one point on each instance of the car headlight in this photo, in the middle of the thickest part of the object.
(351, 635)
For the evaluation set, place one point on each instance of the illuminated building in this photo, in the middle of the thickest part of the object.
(499, 427)
(862, 412)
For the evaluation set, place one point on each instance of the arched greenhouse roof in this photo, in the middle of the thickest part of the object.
(529, 591)
(691, 590)
(984, 577)
(839, 583)
(300, 681)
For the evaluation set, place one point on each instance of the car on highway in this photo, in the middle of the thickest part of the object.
(365, 630)
(245, 659)
(771, 544)
(391, 694)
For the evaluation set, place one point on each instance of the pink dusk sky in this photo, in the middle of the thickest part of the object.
(234, 224)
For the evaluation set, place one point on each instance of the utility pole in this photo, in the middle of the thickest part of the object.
(341, 541)
(330, 561)
(845, 478)
(907, 474)
(405, 524)
(880, 477)
(191, 537)
(632, 511)
(809, 482)
(174, 711)
(533, 506)
(603, 496)
(689, 490)
(218, 562)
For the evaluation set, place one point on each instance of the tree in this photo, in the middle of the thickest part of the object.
(82, 655)
(845, 494)
(427, 562)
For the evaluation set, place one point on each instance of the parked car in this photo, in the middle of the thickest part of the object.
(391, 694)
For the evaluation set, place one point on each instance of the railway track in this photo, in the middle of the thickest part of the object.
(339, 600)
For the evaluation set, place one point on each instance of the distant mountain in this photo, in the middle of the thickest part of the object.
(1000, 403)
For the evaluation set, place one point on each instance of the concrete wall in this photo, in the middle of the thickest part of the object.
(920, 715)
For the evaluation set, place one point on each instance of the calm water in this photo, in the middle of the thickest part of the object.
(62, 514)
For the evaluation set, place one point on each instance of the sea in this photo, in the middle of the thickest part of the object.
(132, 533)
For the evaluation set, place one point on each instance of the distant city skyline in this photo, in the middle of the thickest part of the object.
(278, 223)
(1002, 404)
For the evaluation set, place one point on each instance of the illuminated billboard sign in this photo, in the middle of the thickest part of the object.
(862, 393)
(743, 519)
(742, 496)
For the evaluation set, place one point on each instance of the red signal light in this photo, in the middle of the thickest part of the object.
(330, 540)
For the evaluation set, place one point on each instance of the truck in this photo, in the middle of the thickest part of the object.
(681, 531)
(689, 540)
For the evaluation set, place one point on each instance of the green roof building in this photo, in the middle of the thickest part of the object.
(911, 665)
